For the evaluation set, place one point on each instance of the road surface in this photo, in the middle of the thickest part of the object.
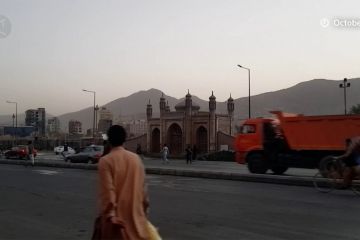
(45, 203)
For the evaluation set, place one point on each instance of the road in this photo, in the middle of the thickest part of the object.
(45, 203)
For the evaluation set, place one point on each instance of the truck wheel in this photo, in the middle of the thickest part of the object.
(257, 164)
(279, 169)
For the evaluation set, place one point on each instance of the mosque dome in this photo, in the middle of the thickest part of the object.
(181, 106)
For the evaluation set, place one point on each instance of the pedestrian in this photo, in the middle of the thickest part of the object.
(165, 153)
(65, 150)
(107, 147)
(66, 147)
(188, 155)
(139, 151)
(30, 153)
(123, 195)
(194, 152)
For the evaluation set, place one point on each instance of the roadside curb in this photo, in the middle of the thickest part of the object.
(262, 178)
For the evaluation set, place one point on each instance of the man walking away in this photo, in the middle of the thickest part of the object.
(165, 153)
(123, 197)
(30, 152)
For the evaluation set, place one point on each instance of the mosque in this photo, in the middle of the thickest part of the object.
(189, 126)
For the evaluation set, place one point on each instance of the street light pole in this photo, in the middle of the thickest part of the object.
(344, 86)
(249, 88)
(93, 132)
(16, 118)
(13, 118)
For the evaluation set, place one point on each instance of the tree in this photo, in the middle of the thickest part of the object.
(355, 109)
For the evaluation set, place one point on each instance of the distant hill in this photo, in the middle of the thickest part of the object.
(314, 97)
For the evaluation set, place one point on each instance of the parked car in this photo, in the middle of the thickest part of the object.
(89, 154)
(60, 149)
(19, 152)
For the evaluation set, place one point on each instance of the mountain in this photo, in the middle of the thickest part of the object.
(314, 97)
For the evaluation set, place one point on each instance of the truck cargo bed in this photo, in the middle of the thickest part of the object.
(318, 132)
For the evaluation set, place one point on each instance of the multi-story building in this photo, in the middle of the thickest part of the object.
(75, 127)
(53, 126)
(37, 119)
(105, 120)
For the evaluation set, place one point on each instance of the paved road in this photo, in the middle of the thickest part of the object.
(45, 203)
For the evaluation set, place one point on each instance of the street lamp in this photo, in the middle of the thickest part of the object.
(344, 86)
(249, 88)
(13, 127)
(16, 118)
(93, 132)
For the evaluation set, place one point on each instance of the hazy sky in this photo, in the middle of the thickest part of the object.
(56, 48)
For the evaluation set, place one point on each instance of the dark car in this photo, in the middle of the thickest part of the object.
(89, 154)
(19, 152)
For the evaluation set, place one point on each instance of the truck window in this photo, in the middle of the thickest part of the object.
(248, 128)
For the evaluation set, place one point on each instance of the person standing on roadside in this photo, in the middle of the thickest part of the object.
(65, 150)
(165, 153)
(139, 151)
(30, 153)
(107, 147)
(188, 155)
(123, 196)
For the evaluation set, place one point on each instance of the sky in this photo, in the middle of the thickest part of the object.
(116, 48)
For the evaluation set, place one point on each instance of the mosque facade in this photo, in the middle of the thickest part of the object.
(188, 126)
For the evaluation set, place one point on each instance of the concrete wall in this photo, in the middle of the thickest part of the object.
(132, 143)
(225, 139)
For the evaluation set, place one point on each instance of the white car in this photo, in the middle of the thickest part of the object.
(60, 149)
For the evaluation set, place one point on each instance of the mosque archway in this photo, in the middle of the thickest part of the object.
(155, 140)
(202, 139)
(174, 139)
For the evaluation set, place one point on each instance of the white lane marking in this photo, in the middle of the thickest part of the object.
(46, 172)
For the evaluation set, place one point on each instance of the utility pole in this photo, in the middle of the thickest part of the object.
(344, 85)
(249, 88)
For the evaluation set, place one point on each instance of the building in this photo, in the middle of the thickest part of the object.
(75, 127)
(53, 126)
(37, 119)
(187, 125)
(105, 120)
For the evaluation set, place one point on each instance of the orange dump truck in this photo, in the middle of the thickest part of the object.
(293, 140)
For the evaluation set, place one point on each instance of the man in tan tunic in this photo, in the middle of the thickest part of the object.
(123, 197)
